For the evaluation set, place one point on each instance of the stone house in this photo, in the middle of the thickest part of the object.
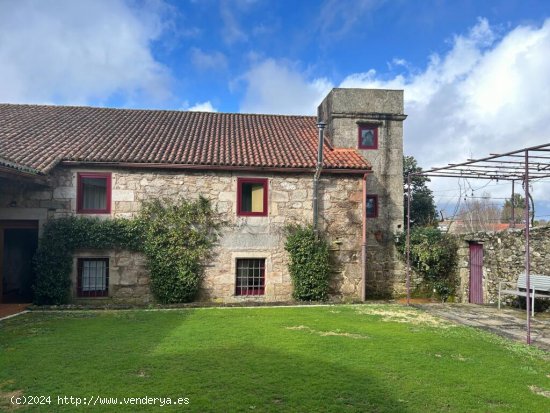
(257, 170)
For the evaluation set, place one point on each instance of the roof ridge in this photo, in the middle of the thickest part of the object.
(37, 105)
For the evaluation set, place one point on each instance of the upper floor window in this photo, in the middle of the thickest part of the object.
(93, 193)
(371, 206)
(252, 197)
(368, 137)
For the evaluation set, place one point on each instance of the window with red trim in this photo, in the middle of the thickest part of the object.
(93, 277)
(371, 206)
(250, 276)
(367, 137)
(93, 193)
(252, 196)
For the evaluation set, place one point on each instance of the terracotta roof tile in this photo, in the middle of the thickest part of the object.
(39, 137)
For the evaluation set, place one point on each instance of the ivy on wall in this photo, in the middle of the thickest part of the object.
(309, 265)
(433, 255)
(175, 236)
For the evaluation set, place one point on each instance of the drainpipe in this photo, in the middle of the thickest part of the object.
(318, 168)
(364, 242)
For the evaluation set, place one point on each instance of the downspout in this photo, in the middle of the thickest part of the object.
(364, 242)
(318, 168)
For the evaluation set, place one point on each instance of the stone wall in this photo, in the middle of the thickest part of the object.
(344, 110)
(503, 259)
(289, 201)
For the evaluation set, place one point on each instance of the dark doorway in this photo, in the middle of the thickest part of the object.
(476, 273)
(18, 242)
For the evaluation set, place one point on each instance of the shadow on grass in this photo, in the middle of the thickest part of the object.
(247, 378)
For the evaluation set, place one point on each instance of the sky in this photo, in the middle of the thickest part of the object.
(476, 73)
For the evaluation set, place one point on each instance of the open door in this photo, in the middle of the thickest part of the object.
(18, 243)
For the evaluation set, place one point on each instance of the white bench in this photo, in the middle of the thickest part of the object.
(540, 287)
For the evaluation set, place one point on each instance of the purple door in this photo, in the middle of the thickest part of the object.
(476, 273)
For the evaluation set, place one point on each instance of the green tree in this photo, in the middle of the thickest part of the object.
(518, 202)
(423, 211)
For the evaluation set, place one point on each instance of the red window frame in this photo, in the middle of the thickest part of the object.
(373, 128)
(79, 192)
(254, 285)
(375, 213)
(92, 293)
(240, 182)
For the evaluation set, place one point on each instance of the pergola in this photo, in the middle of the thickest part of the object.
(522, 165)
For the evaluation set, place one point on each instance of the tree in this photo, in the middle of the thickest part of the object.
(479, 215)
(518, 202)
(423, 211)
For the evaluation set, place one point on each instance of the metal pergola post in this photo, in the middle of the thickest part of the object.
(527, 254)
(408, 239)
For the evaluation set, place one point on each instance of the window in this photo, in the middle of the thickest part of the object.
(252, 197)
(372, 206)
(93, 193)
(368, 137)
(93, 277)
(250, 276)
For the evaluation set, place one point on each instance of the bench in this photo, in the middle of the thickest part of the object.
(540, 287)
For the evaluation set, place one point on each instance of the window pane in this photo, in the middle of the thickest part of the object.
(94, 275)
(250, 276)
(94, 193)
(252, 197)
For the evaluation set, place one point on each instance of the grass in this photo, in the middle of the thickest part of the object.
(367, 358)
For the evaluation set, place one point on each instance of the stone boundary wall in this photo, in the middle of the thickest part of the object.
(503, 259)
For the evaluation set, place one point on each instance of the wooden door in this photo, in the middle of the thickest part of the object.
(476, 273)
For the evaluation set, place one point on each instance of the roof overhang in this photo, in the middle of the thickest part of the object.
(220, 168)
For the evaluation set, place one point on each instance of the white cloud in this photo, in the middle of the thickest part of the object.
(488, 93)
(277, 87)
(208, 61)
(203, 107)
(485, 95)
(231, 29)
(80, 52)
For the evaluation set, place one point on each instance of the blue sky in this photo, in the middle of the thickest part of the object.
(475, 73)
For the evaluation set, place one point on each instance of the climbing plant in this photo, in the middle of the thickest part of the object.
(175, 236)
(53, 260)
(434, 256)
(309, 264)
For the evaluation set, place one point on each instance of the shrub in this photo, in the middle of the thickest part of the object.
(309, 265)
(178, 237)
(434, 256)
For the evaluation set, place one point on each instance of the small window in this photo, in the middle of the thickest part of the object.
(93, 193)
(372, 206)
(252, 197)
(368, 137)
(250, 276)
(93, 277)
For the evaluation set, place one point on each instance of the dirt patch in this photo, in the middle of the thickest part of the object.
(5, 400)
(540, 391)
(11, 309)
(400, 315)
(329, 333)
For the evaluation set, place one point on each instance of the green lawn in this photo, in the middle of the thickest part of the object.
(378, 358)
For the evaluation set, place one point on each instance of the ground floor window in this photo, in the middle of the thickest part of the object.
(93, 277)
(250, 276)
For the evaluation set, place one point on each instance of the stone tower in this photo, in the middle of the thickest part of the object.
(371, 120)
